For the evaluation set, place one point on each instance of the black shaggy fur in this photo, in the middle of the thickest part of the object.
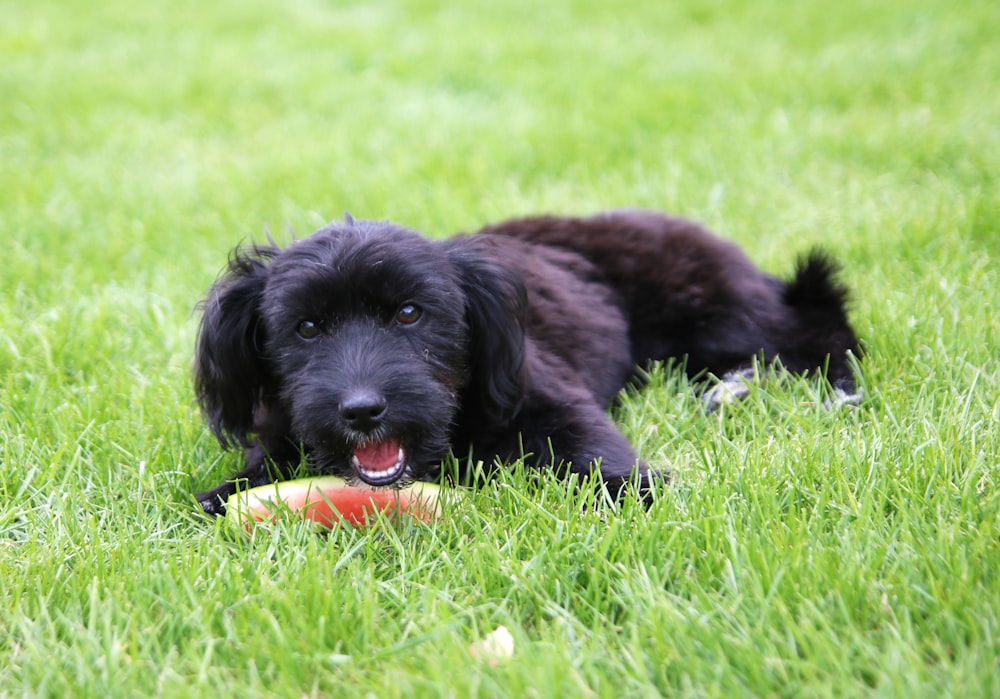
(376, 351)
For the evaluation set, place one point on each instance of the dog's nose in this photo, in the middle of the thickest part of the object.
(362, 409)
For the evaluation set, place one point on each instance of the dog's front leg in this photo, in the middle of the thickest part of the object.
(583, 440)
(263, 465)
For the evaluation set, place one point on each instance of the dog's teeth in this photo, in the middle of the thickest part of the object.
(389, 474)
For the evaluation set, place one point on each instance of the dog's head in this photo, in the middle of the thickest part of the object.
(365, 340)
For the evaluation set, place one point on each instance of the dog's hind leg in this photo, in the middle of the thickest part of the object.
(735, 385)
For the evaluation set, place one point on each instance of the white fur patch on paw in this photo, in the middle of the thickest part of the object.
(733, 386)
(842, 398)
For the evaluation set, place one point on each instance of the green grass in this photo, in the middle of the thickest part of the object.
(799, 552)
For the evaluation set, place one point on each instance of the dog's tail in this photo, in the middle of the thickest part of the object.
(819, 303)
(815, 285)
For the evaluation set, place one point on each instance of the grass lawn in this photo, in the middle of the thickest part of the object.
(799, 553)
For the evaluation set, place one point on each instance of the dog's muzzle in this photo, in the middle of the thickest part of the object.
(378, 461)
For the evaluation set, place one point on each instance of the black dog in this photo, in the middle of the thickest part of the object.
(376, 352)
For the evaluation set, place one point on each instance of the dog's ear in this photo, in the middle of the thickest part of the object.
(229, 370)
(495, 309)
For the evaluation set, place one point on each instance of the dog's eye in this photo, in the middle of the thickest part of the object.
(308, 329)
(408, 314)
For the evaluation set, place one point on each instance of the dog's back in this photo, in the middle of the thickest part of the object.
(692, 296)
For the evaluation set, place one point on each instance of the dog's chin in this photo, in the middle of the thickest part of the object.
(380, 463)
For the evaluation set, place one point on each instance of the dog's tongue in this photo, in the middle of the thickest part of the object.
(378, 456)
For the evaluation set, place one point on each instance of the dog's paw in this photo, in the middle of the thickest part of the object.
(733, 386)
(842, 398)
(212, 504)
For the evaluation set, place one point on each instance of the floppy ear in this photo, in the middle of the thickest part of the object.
(495, 309)
(230, 373)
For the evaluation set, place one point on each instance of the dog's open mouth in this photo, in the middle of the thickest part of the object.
(379, 463)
